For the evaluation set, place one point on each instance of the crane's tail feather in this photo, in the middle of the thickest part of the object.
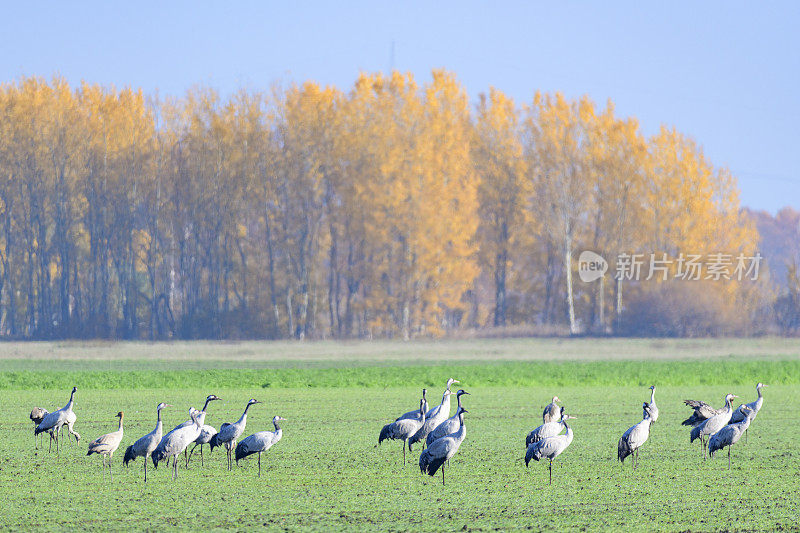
(386, 433)
(130, 455)
(532, 453)
(429, 464)
(623, 450)
(242, 451)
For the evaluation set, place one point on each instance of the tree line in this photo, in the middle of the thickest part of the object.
(394, 209)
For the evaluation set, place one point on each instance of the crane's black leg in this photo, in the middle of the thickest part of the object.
(110, 473)
(443, 475)
(550, 468)
(201, 456)
(259, 464)
(729, 457)
(404, 453)
(145, 468)
(186, 456)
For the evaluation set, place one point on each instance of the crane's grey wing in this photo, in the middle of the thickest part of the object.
(638, 434)
(413, 415)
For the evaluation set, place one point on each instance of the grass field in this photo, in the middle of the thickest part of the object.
(327, 474)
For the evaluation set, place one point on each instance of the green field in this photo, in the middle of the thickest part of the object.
(327, 474)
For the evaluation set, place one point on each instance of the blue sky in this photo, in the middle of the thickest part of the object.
(725, 73)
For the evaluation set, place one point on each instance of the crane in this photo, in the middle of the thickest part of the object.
(730, 434)
(653, 408)
(433, 418)
(145, 446)
(551, 447)
(259, 442)
(712, 425)
(548, 429)
(403, 428)
(415, 412)
(227, 435)
(53, 422)
(739, 415)
(437, 454)
(448, 426)
(635, 436)
(210, 398)
(206, 434)
(176, 441)
(552, 411)
(106, 445)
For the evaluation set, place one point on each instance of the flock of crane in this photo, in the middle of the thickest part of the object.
(716, 429)
(159, 447)
(441, 435)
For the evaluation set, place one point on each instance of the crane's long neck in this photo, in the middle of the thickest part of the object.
(71, 401)
(462, 430)
(458, 399)
(205, 405)
(569, 432)
(758, 389)
(728, 405)
(652, 396)
(244, 415)
(120, 424)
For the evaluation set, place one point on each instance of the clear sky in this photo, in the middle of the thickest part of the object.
(725, 73)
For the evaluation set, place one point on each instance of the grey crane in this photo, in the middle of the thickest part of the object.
(710, 426)
(635, 436)
(415, 412)
(730, 434)
(210, 398)
(403, 428)
(653, 408)
(551, 447)
(448, 426)
(206, 434)
(433, 418)
(259, 442)
(177, 440)
(53, 422)
(435, 456)
(107, 444)
(548, 429)
(552, 411)
(227, 435)
(145, 446)
(739, 415)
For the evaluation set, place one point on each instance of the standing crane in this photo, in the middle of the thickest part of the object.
(175, 443)
(54, 421)
(145, 446)
(653, 408)
(403, 428)
(227, 435)
(437, 454)
(433, 418)
(415, 412)
(739, 414)
(710, 426)
(552, 411)
(548, 429)
(448, 426)
(635, 436)
(730, 434)
(259, 442)
(210, 398)
(551, 447)
(206, 434)
(106, 445)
